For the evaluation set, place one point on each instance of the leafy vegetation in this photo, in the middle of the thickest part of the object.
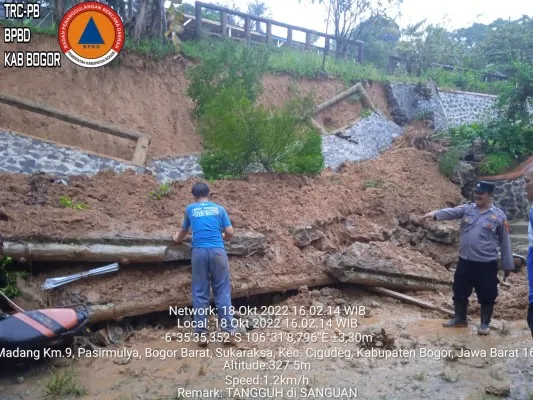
(67, 202)
(8, 279)
(225, 66)
(241, 136)
(450, 160)
(496, 163)
(161, 191)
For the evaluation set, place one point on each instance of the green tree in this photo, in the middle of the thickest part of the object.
(349, 18)
(239, 135)
(257, 8)
(225, 66)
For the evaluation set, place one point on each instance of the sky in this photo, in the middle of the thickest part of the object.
(453, 14)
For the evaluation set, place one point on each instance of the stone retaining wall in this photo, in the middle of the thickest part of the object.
(509, 195)
(27, 155)
(463, 108)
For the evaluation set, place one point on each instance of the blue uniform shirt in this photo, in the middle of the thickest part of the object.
(207, 220)
(530, 256)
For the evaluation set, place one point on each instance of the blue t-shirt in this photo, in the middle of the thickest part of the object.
(207, 220)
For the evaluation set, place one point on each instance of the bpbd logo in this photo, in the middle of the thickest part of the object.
(91, 34)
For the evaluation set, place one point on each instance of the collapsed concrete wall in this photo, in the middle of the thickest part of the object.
(445, 108)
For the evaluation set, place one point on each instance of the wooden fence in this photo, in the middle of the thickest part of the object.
(221, 28)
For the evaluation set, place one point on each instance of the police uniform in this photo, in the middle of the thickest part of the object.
(481, 235)
(529, 264)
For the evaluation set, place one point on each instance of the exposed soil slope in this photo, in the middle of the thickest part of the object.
(141, 95)
(340, 204)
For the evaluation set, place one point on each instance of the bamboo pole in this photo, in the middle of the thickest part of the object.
(358, 87)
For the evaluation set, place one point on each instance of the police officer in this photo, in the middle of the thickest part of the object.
(484, 227)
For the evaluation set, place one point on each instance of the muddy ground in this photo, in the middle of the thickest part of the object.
(432, 365)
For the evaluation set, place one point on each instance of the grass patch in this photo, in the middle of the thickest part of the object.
(302, 64)
(67, 202)
(62, 385)
(496, 163)
(48, 30)
(373, 184)
(161, 191)
(152, 48)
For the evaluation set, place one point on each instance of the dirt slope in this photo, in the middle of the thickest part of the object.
(141, 95)
(340, 204)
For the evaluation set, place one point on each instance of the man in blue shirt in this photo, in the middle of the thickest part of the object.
(210, 227)
(528, 180)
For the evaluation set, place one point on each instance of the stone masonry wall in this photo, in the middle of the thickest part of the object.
(465, 108)
(509, 195)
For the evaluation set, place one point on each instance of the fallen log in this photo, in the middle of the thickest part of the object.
(358, 87)
(409, 299)
(107, 312)
(124, 249)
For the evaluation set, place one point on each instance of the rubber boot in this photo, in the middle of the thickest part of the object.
(459, 320)
(486, 315)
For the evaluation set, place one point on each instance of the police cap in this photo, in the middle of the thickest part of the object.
(484, 187)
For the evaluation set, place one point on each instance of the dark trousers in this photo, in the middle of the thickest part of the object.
(481, 276)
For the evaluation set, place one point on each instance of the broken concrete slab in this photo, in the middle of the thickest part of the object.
(383, 264)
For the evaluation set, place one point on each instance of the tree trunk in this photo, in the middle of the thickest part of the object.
(59, 10)
(130, 10)
(122, 9)
(140, 21)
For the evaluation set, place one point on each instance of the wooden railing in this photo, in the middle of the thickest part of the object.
(222, 28)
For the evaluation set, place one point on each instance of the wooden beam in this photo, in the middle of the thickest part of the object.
(106, 312)
(70, 118)
(141, 151)
(358, 87)
(319, 126)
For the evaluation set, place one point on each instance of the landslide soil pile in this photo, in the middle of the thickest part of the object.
(362, 203)
(143, 95)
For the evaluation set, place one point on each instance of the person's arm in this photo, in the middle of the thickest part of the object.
(505, 246)
(446, 213)
(182, 232)
(226, 226)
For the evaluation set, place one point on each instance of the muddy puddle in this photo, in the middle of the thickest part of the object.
(328, 343)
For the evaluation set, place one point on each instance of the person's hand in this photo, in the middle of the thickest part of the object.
(429, 215)
(175, 237)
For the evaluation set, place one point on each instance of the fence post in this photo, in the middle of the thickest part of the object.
(269, 33)
(326, 45)
(247, 29)
(223, 22)
(307, 40)
(289, 37)
(198, 17)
